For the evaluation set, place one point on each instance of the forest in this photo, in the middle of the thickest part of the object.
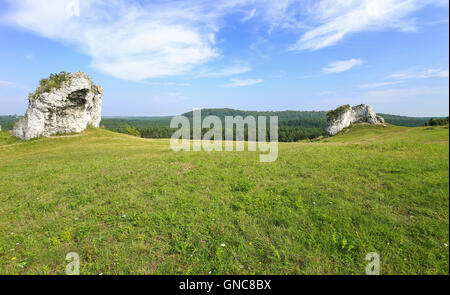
(293, 125)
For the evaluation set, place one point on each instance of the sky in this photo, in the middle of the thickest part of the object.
(157, 58)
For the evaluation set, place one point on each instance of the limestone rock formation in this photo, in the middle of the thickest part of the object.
(345, 115)
(64, 103)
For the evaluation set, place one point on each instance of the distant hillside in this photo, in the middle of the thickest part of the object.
(404, 121)
(308, 118)
(282, 115)
(293, 125)
(289, 118)
(7, 122)
(118, 122)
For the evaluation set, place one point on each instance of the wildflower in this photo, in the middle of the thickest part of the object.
(123, 216)
(446, 245)
(222, 245)
(14, 258)
(314, 203)
(201, 241)
(250, 243)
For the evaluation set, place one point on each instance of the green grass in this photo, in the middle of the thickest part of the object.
(133, 206)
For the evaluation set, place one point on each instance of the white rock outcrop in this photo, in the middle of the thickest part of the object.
(69, 108)
(344, 116)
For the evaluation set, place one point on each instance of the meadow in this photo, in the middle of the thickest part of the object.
(129, 205)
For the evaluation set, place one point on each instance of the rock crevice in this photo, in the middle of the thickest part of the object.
(69, 108)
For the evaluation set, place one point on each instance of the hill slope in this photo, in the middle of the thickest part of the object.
(128, 205)
(295, 118)
(306, 118)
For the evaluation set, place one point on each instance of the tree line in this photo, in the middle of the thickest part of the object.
(437, 122)
(285, 133)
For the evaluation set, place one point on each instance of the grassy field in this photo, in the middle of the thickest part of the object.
(128, 205)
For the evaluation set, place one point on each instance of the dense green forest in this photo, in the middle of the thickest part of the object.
(404, 121)
(437, 122)
(293, 125)
(7, 122)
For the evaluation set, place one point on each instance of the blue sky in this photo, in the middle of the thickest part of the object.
(168, 57)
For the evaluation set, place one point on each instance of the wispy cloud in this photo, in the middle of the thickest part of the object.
(420, 74)
(137, 40)
(379, 84)
(245, 82)
(341, 66)
(8, 84)
(375, 97)
(225, 72)
(333, 20)
(127, 40)
(249, 16)
(166, 84)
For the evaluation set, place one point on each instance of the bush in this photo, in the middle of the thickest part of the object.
(47, 84)
(437, 122)
(132, 131)
(331, 115)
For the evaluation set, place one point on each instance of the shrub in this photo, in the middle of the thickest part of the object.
(47, 84)
(132, 131)
(331, 115)
(437, 122)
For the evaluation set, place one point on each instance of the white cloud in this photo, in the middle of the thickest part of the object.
(137, 40)
(245, 82)
(392, 97)
(379, 84)
(130, 41)
(249, 16)
(224, 72)
(8, 84)
(167, 84)
(341, 66)
(332, 20)
(421, 74)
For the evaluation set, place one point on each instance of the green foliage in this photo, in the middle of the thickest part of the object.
(8, 122)
(404, 120)
(282, 115)
(437, 122)
(332, 115)
(293, 125)
(133, 206)
(47, 84)
(132, 131)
